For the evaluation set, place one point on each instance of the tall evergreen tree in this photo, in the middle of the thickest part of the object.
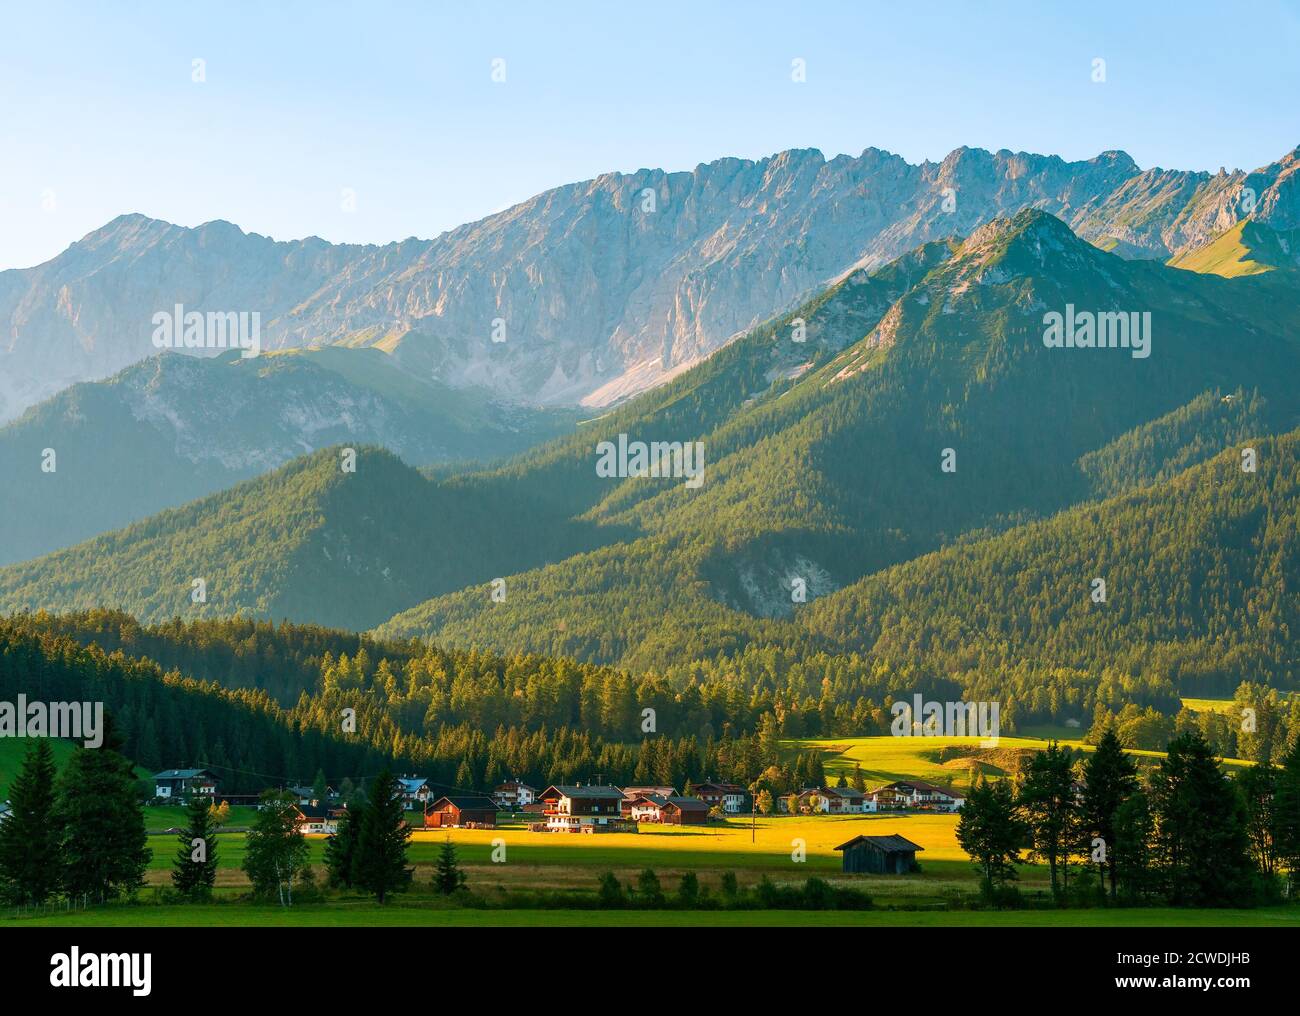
(1200, 847)
(1131, 852)
(194, 871)
(105, 846)
(341, 847)
(991, 832)
(1257, 785)
(379, 864)
(1110, 779)
(31, 860)
(1047, 801)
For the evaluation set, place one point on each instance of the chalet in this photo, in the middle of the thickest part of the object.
(646, 807)
(582, 809)
(317, 819)
(729, 796)
(513, 795)
(679, 810)
(880, 855)
(630, 794)
(916, 794)
(181, 783)
(414, 790)
(465, 811)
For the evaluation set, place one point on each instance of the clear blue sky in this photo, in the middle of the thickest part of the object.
(396, 101)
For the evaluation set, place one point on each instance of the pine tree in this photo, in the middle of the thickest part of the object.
(379, 864)
(1258, 787)
(105, 846)
(1200, 846)
(991, 832)
(30, 855)
(447, 876)
(341, 847)
(1047, 801)
(194, 871)
(1110, 779)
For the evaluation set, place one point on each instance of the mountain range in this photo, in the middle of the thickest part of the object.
(901, 476)
(591, 292)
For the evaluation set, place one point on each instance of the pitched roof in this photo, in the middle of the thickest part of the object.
(181, 774)
(659, 800)
(466, 802)
(567, 791)
(411, 785)
(317, 812)
(889, 844)
(687, 803)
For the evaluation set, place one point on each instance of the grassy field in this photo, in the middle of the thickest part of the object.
(12, 752)
(944, 761)
(369, 914)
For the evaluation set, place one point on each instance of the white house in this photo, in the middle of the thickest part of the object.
(183, 782)
(916, 794)
(513, 795)
(414, 790)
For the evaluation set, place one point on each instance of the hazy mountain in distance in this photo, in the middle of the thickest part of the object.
(173, 428)
(593, 291)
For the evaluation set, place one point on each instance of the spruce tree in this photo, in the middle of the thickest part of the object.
(30, 850)
(341, 847)
(447, 875)
(194, 871)
(1200, 846)
(104, 843)
(1110, 779)
(991, 832)
(380, 860)
(1051, 812)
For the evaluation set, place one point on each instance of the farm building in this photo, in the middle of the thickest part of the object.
(180, 783)
(879, 855)
(679, 810)
(579, 809)
(916, 794)
(463, 811)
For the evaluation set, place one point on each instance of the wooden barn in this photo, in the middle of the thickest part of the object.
(684, 811)
(446, 812)
(879, 855)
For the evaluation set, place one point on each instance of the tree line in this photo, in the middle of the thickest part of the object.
(1183, 834)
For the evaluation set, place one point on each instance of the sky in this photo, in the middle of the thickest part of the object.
(373, 122)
